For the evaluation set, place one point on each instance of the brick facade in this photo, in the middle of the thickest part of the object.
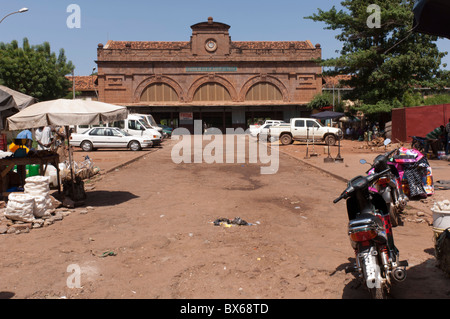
(126, 69)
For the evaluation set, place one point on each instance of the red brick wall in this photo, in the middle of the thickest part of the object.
(418, 121)
(124, 68)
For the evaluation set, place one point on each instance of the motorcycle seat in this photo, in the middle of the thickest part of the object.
(365, 219)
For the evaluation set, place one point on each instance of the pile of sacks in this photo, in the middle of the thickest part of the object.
(34, 202)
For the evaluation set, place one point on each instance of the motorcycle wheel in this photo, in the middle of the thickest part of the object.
(393, 214)
(393, 210)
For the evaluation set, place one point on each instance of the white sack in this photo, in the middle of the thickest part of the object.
(20, 207)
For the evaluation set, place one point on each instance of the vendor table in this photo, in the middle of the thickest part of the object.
(7, 164)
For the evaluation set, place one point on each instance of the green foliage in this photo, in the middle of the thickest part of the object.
(69, 95)
(386, 62)
(34, 70)
(324, 99)
(380, 107)
(320, 100)
(437, 99)
(412, 99)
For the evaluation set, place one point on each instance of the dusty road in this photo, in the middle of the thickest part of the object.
(156, 218)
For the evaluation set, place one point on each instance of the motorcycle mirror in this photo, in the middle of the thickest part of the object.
(362, 161)
(387, 142)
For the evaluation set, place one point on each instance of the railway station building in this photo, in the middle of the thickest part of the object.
(224, 83)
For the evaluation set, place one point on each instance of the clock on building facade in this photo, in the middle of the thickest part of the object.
(211, 45)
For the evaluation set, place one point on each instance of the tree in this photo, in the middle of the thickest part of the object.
(34, 70)
(437, 99)
(325, 99)
(386, 62)
(320, 100)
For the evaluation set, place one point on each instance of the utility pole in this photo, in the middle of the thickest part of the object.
(73, 83)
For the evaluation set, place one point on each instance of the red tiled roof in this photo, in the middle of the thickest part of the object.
(164, 45)
(84, 83)
(270, 45)
(145, 45)
(329, 81)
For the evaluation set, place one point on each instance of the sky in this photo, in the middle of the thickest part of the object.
(163, 20)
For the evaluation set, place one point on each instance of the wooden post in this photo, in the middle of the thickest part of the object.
(70, 161)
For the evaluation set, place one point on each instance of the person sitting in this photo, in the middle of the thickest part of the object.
(433, 140)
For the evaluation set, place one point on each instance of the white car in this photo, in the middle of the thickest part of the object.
(256, 130)
(109, 137)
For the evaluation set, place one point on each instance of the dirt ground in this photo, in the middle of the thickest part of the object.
(146, 231)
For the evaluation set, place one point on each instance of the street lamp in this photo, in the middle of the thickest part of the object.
(20, 11)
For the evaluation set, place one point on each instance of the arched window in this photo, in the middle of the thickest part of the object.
(159, 92)
(264, 91)
(212, 92)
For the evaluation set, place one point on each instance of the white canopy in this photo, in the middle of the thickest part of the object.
(64, 112)
(14, 99)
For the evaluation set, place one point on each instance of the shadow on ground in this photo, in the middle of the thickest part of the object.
(420, 282)
(108, 198)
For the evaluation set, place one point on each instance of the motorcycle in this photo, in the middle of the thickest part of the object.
(370, 232)
(419, 143)
(390, 187)
(415, 173)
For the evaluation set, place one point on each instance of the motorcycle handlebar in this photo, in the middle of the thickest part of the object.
(377, 175)
(385, 158)
(390, 153)
(370, 178)
(339, 198)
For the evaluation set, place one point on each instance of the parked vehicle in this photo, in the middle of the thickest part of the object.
(83, 128)
(371, 236)
(133, 124)
(390, 186)
(415, 173)
(257, 129)
(150, 121)
(166, 129)
(418, 143)
(108, 137)
(303, 129)
(137, 126)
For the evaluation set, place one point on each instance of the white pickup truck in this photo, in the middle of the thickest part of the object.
(302, 129)
(256, 130)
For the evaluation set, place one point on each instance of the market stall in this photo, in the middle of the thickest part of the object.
(41, 160)
(64, 113)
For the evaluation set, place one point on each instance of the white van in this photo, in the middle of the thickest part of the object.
(151, 121)
(136, 125)
(133, 124)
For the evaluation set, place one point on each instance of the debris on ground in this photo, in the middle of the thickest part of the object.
(104, 254)
(442, 185)
(228, 223)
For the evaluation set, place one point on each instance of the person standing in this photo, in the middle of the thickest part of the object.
(59, 144)
(43, 138)
(348, 132)
(26, 134)
(447, 138)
